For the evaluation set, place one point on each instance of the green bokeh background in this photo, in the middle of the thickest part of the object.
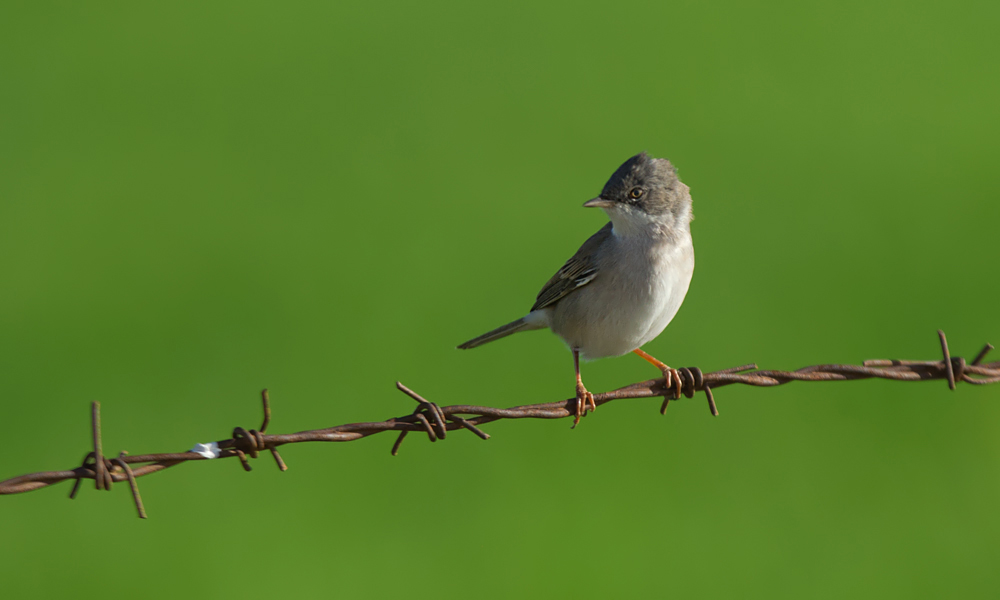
(198, 200)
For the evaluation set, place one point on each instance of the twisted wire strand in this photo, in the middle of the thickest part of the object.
(436, 421)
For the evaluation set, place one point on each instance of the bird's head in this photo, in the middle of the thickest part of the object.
(644, 194)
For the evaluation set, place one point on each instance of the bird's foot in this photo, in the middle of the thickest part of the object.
(584, 402)
(672, 379)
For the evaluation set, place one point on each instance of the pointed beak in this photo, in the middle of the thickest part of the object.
(598, 203)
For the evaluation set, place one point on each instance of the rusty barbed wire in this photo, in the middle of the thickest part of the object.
(436, 421)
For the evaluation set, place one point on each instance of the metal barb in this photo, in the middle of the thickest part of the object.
(76, 488)
(243, 460)
(252, 442)
(246, 441)
(399, 442)
(132, 483)
(420, 399)
(711, 402)
(277, 458)
(95, 422)
(982, 354)
(102, 478)
(947, 360)
(440, 430)
(427, 426)
(469, 426)
(267, 410)
(79, 477)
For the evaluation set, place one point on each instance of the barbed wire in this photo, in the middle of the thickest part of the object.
(436, 421)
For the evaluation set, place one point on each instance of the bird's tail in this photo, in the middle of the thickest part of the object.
(502, 331)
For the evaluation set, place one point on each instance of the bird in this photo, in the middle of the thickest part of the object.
(627, 281)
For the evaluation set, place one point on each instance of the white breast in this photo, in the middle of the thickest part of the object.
(638, 290)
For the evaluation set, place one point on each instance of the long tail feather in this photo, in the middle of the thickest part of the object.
(499, 332)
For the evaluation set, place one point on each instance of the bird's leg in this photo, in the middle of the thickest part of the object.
(584, 399)
(671, 378)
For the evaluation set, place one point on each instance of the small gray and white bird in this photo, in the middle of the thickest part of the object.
(625, 283)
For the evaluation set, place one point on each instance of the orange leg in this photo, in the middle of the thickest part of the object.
(670, 376)
(584, 399)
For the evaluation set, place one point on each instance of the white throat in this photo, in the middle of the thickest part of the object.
(628, 224)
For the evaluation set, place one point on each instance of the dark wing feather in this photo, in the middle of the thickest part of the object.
(577, 272)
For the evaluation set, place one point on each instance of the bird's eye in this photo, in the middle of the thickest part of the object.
(635, 193)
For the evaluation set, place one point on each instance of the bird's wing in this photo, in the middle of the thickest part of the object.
(577, 272)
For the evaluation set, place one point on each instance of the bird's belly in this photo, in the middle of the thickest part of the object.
(611, 320)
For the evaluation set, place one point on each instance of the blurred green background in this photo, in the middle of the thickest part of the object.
(198, 200)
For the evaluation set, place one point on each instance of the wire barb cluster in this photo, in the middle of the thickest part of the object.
(436, 421)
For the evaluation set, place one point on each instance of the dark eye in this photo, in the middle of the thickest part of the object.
(635, 193)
